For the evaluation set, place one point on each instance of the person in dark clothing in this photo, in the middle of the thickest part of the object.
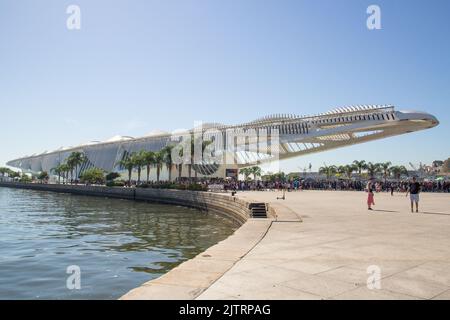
(414, 190)
(392, 189)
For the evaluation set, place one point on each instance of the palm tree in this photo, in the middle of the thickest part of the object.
(167, 153)
(385, 167)
(149, 160)
(328, 170)
(205, 144)
(65, 169)
(373, 169)
(341, 170)
(180, 165)
(349, 169)
(159, 162)
(397, 171)
(360, 165)
(42, 176)
(246, 172)
(192, 156)
(139, 162)
(128, 164)
(76, 159)
(4, 171)
(70, 167)
(58, 170)
(256, 171)
(280, 176)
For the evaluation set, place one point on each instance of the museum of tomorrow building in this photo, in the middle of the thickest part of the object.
(230, 147)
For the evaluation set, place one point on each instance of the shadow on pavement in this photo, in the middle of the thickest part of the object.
(438, 213)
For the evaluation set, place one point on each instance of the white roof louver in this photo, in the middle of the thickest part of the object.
(118, 138)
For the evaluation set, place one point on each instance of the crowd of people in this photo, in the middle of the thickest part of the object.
(411, 187)
(324, 184)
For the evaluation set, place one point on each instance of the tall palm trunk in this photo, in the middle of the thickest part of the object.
(158, 172)
(148, 174)
(129, 177)
(139, 175)
(180, 170)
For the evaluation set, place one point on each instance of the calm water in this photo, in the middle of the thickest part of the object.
(117, 244)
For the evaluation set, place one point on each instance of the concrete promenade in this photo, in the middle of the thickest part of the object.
(327, 255)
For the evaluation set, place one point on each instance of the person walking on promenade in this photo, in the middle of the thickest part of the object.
(414, 190)
(370, 197)
(392, 189)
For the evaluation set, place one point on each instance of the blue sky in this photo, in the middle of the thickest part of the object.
(136, 66)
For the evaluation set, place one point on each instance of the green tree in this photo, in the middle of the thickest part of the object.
(349, 169)
(75, 160)
(360, 165)
(112, 176)
(14, 174)
(180, 165)
(159, 162)
(246, 172)
(385, 166)
(43, 176)
(65, 169)
(71, 167)
(398, 171)
(340, 171)
(280, 176)
(139, 162)
(373, 169)
(256, 172)
(128, 164)
(24, 178)
(191, 162)
(205, 144)
(167, 155)
(3, 171)
(59, 170)
(93, 176)
(328, 170)
(10, 173)
(149, 160)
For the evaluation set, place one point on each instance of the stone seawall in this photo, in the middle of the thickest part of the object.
(224, 204)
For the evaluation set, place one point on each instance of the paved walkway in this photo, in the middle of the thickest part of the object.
(327, 255)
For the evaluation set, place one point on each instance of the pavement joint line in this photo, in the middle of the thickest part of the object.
(375, 290)
(344, 265)
(440, 294)
(446, 290)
